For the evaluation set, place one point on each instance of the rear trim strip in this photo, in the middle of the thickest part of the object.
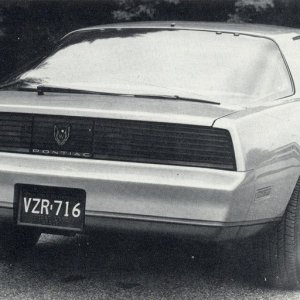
(101, 214)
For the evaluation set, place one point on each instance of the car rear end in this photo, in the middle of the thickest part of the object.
(118, 172)
(144, 152)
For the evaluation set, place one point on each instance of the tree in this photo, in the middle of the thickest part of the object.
(252, 11)
(135, 10)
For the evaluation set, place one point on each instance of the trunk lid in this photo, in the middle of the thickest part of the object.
(116, 107)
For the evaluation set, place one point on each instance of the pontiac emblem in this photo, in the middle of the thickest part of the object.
(62, 133)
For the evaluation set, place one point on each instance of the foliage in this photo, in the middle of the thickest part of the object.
(130, 10)
(257, 4)
(277, 12)
(251, 10)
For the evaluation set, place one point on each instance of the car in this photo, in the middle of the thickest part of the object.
(183, 128)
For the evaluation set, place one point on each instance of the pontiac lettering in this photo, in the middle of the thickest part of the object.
(62, 153)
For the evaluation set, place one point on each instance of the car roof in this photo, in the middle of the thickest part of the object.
(268, 31)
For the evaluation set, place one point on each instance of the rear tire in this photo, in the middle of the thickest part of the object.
(278, 251)
(14, 240)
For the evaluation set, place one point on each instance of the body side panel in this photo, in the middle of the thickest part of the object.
(267, 141)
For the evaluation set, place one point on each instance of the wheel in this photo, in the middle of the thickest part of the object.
(278, 250)
(14, 239)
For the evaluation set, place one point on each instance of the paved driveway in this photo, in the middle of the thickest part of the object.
(128, 267)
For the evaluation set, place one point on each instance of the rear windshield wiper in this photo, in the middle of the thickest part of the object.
(41, 89)
(176, 97)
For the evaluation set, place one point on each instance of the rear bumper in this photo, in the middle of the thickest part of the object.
(211, 204)
(203, 231)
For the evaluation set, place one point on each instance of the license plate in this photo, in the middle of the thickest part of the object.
(51, 207)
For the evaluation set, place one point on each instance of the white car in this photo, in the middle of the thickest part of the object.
(186, 128)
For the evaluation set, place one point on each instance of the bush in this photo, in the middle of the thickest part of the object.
(277, 12)
(251, 10)
(136, 10)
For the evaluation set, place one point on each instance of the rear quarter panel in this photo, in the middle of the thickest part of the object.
(267, 140)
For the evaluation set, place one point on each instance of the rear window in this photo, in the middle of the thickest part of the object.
(222, 67)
